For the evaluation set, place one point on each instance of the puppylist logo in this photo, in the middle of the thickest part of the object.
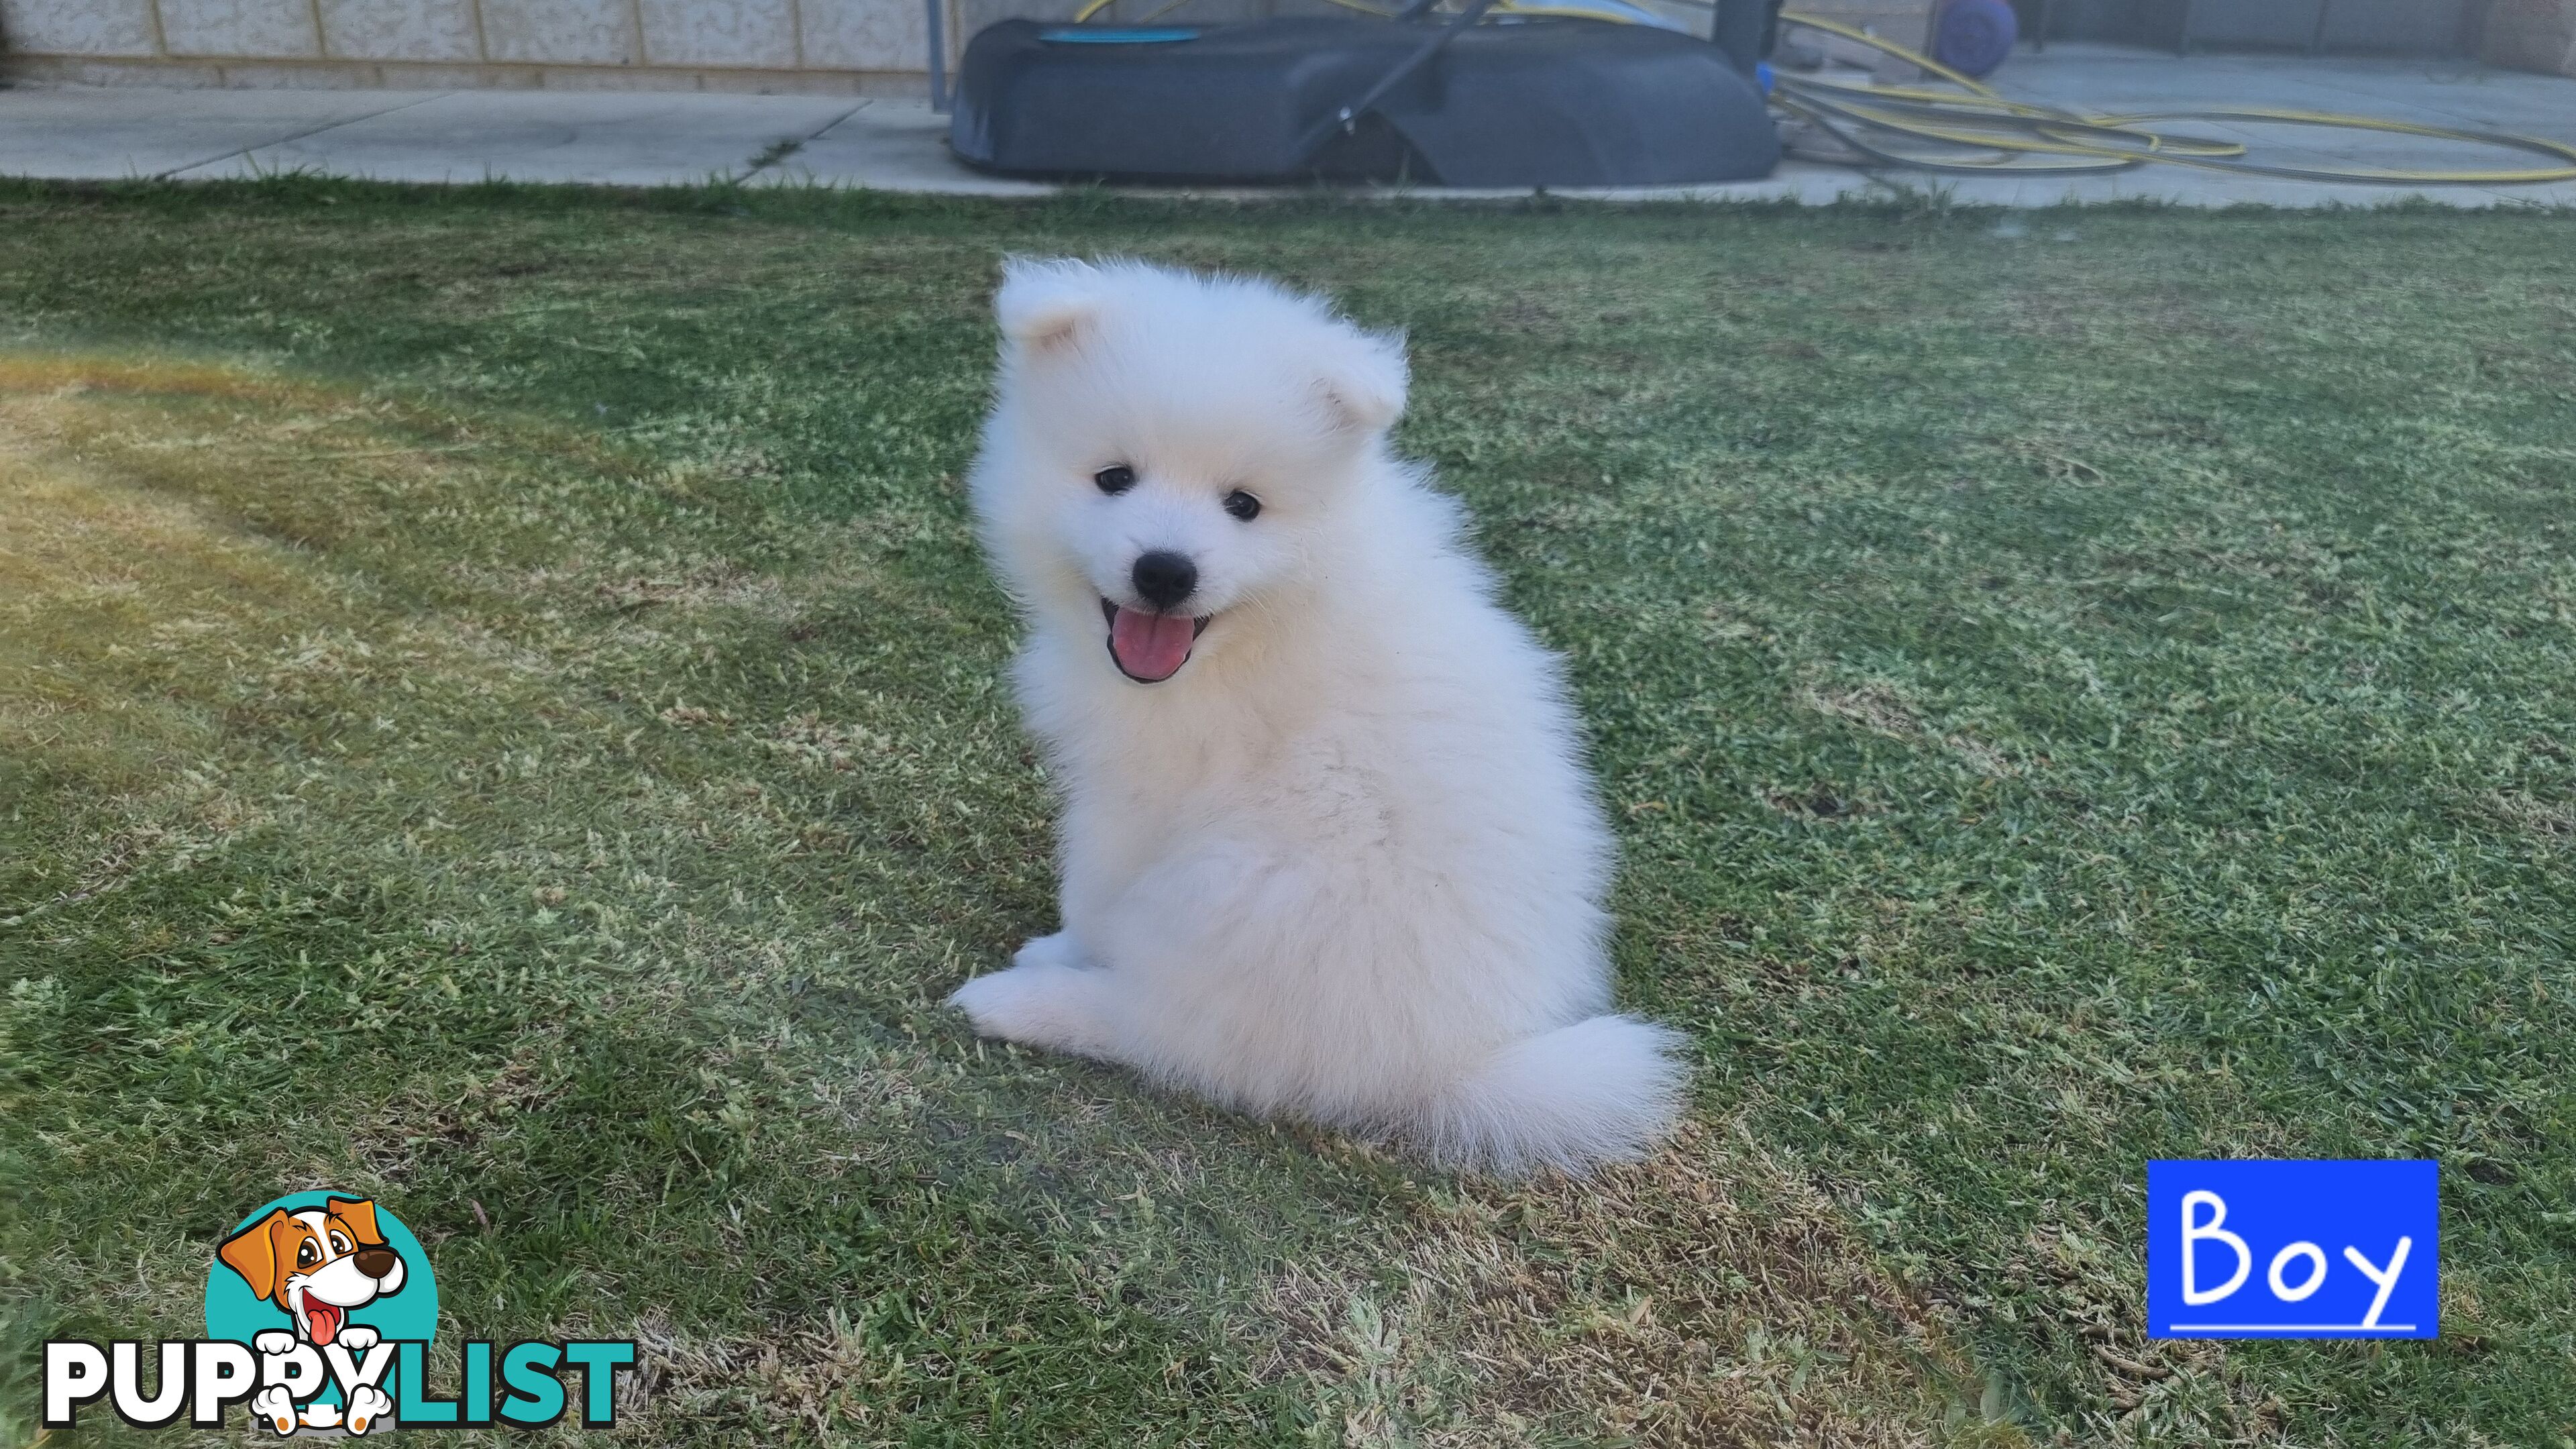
(320, 1310)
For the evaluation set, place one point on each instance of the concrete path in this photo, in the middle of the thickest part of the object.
(647, 138)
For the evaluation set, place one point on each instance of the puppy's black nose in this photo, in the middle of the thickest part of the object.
(1165, 578)
(376, 1262)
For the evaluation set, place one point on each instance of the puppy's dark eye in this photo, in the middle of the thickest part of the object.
(1243, 505)
(304, 1254)
(1116, 478)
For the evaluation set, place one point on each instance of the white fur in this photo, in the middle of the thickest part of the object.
(1345, 865)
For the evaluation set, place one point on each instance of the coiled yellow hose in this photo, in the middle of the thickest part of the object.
(1985, 132)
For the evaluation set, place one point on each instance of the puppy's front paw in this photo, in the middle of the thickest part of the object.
(1000, 1003)
(275, 1405)
(1040, 1004)
(366, 1404)
(274, 1342)
(357, 1337)
(1056, 950)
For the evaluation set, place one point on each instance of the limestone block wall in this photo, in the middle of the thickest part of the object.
(2531, 35)
(868, 47)
(863, 46)
(1906, 22)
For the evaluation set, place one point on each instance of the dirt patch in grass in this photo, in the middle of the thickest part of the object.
(2551, 820)
(1883, 709)
(1877, 707)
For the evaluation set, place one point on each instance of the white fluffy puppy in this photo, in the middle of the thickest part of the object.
(1329, 850)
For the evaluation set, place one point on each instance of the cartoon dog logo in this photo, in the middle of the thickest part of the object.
(317, 1264)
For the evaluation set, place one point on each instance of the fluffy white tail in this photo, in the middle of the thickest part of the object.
(1601, 1090)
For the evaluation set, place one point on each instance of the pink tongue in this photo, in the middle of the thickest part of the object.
(1151, 646)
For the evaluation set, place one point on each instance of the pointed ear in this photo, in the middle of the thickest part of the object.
(359, 1214)
(1364, 380)
(253, 1254)
(1046, 302)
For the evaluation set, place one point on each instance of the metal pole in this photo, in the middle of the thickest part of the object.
(938, 54)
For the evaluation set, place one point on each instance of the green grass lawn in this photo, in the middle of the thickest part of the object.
(499, 711)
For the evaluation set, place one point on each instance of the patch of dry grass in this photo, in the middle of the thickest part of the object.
(1705, 1297)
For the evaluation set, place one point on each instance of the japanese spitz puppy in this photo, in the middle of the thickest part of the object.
(1328, 848)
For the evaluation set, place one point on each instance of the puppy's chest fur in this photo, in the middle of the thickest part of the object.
(1299, 784)
(1307, 794)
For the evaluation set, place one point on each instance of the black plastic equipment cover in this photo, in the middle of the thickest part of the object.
(1540, 102)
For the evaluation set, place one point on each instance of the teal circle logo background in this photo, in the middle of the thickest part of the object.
(236, 1312)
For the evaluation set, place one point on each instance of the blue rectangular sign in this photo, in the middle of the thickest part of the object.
(2329, 1249)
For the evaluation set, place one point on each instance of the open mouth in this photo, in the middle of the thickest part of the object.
(322, 1320)
(1150, 648)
